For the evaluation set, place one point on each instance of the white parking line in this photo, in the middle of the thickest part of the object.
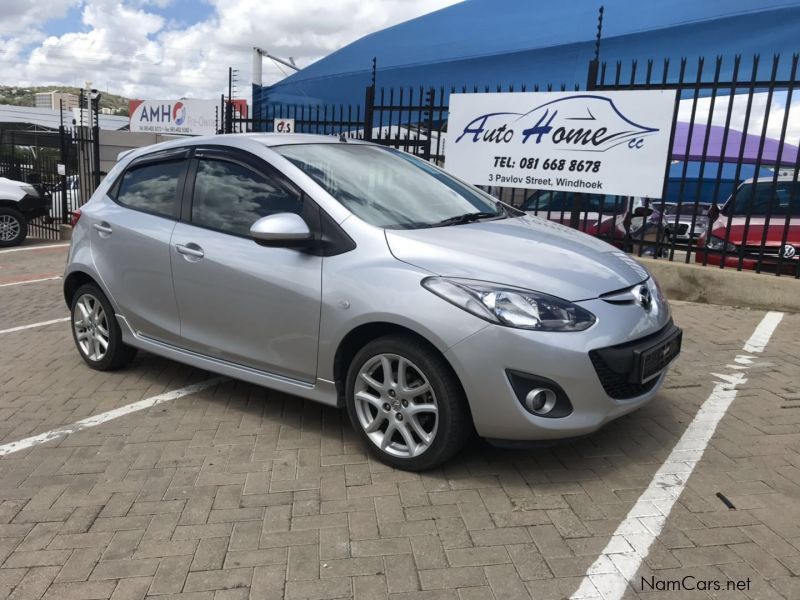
(106, 416)
(32, 325)
(763, 332)
(609, 575)
(26, 248)
(2, 285)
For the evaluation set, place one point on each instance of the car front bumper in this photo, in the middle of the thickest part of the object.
(484, 361)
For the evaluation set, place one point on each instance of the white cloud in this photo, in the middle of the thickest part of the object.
(758, 114)
(127, 48)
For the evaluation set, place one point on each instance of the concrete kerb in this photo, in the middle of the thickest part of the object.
(729, 287)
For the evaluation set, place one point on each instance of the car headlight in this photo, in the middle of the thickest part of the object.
(510, 306)
(715, 243)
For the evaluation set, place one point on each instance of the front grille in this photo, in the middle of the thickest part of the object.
(768, 252)
(682, 228)
(615, 384)
(618, 368)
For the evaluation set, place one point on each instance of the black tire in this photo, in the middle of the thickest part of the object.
(454, 427)
(117, 354)
(10, 217)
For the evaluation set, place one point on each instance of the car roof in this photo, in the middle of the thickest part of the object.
(267, 139)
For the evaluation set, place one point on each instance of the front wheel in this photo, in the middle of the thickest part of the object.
(13, 227)
(406, 403)
(96, 332)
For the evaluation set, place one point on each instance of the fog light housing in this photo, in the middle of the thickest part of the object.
(540, 401)
(539, 396)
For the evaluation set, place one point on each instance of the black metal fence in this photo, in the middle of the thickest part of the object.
(62, 165)
(730, 195)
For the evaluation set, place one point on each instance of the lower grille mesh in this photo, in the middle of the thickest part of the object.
(615, 384)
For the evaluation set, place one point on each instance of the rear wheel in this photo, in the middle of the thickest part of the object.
(96, 332)
(406, 403)
(13, 227)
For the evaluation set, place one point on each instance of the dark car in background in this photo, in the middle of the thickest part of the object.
(760, 221)
(608, 217)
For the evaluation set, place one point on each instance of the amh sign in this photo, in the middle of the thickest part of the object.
(183, 117)
(594, 142)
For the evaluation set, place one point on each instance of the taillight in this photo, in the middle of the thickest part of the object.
(75, 215)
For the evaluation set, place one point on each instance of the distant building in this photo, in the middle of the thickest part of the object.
(52, 100)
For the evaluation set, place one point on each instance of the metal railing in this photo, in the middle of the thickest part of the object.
(63, 165)
(730, 196)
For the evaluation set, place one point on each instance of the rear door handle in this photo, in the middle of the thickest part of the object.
(103, 227)
(191, 249)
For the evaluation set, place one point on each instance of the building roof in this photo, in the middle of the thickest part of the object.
(50, 119)
(539, 42)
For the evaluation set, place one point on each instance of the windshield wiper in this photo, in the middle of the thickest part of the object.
(466, 218)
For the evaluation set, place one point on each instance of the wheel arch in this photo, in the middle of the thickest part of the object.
(364, 333)
(74, 281)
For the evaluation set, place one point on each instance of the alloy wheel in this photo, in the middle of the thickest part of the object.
(91, 327)
(10, 228)
(396, 405)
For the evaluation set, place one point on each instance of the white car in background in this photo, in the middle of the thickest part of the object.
(20, 203)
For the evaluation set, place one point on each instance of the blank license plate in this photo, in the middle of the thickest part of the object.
(655, 360)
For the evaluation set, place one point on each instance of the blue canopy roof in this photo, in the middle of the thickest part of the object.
(539, 42)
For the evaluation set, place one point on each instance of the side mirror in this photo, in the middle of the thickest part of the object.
(713, 213)
(642, 211)
(282, 230)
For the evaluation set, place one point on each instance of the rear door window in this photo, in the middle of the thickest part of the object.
(152, 187)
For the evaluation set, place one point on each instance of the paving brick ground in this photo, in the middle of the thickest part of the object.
(237, 492)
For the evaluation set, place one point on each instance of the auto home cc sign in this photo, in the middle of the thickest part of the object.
(593, 142)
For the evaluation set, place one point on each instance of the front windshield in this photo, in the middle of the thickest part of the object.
(388, 188)
(784, 196)
(550, 201)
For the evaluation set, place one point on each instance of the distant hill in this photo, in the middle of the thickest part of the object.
(24, 96)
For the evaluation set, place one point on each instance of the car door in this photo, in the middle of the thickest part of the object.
(241, 302)
(130, 241)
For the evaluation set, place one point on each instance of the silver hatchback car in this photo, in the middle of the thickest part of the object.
(360, 276)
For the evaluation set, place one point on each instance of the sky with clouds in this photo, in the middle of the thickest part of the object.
(183, 48)
(179, 48)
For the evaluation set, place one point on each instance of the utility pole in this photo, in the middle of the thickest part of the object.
(258, 82)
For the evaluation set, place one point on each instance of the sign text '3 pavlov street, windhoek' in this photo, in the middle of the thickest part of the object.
(593, 142)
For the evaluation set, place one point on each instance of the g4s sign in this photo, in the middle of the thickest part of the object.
(283, 125)
(596, 142)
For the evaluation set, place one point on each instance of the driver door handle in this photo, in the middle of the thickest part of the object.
(190, 250)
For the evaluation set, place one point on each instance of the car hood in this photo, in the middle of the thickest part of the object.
(588, 220)
(527, 252)
(11, 190)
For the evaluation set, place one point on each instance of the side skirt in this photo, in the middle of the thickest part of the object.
(323, 391)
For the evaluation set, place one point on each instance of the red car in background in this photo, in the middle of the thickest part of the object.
(732, 232)
(608, 217)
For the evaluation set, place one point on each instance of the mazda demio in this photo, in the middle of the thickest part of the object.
(362, 277)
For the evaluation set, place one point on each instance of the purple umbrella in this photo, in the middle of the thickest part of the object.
(770, 153)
